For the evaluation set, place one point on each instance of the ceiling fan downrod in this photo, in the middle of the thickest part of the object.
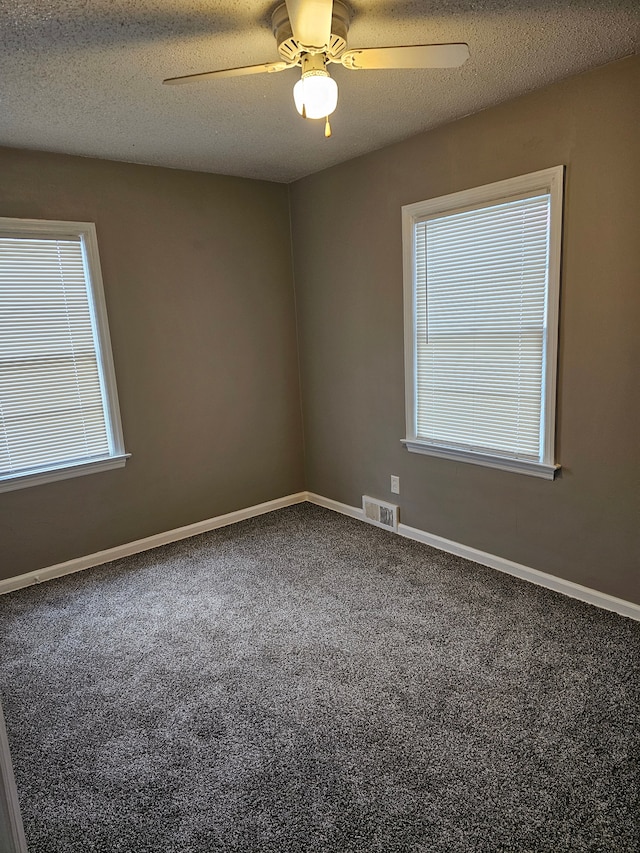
(291, 49)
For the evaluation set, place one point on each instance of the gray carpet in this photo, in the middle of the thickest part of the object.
(305, 682)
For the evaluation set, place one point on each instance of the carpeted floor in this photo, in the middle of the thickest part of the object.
(304, 683)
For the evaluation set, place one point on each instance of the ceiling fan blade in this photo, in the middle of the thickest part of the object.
(310, 21)
(266, 67)
(413, 56)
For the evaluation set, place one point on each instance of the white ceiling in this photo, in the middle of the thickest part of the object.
(84, 76)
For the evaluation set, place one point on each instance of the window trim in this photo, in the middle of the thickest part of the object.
(548, 181)
(117, 457)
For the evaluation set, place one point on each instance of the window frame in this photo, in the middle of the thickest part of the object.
(549, 181)
(117, 457)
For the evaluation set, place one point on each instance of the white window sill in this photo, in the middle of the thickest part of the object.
(10, 482)
(517, 466)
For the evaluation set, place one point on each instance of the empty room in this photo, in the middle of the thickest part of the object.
(319, 418)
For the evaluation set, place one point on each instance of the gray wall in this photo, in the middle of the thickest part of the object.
(348, 270)
(198, 284)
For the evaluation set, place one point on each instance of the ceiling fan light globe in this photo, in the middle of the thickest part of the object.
(316, 95)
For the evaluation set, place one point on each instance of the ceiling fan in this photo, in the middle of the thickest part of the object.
(312, 34)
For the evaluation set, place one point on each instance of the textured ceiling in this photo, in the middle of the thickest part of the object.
(84, 76)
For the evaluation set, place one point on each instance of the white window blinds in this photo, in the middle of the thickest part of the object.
(481, 285)
(54, 408)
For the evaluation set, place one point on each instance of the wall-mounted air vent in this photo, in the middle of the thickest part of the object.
(380, 513)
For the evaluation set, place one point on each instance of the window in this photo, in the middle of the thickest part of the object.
(58, 402)
(482, 271)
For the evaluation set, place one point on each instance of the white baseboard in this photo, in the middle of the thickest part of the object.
(110, 554)
(573, 590)
(336, 506)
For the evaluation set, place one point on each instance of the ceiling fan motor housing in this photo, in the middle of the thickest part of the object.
(291, 50)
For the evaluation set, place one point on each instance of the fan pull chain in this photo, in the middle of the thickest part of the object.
(327, 129)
